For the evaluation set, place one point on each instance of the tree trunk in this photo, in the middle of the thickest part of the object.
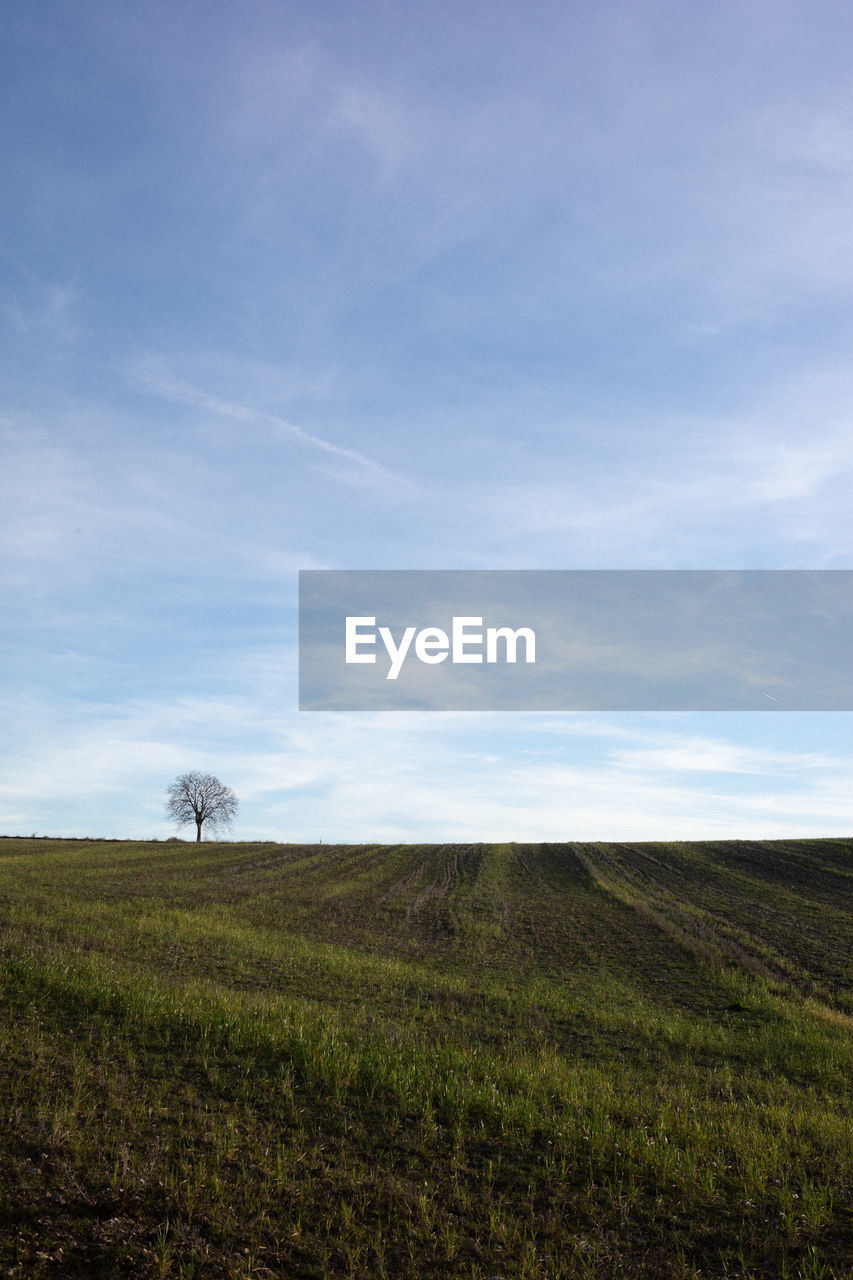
(198, 830)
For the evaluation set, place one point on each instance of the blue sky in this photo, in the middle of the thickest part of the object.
(478, 286)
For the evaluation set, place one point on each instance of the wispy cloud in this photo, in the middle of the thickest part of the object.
(404, 777)
(431, 287)
(48, 311)
(157, 380)
(733, 486)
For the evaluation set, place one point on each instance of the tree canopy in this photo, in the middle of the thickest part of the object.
(203, 799)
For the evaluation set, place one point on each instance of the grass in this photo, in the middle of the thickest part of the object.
(355, 1061)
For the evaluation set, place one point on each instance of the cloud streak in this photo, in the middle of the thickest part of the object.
(157, 381)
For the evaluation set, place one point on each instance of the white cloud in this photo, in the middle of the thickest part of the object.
(415, 777)
(778, 473)
(687, 754)
(156, 379)
(45, 312)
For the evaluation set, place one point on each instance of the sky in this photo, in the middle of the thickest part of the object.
(297, 286)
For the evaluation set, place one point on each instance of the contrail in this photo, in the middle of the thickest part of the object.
(163, 384)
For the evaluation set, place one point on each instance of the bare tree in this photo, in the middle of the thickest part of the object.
(200, 798)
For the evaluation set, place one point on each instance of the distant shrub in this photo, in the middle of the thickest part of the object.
(175, 840)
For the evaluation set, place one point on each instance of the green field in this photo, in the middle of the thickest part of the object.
(556, 1060)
